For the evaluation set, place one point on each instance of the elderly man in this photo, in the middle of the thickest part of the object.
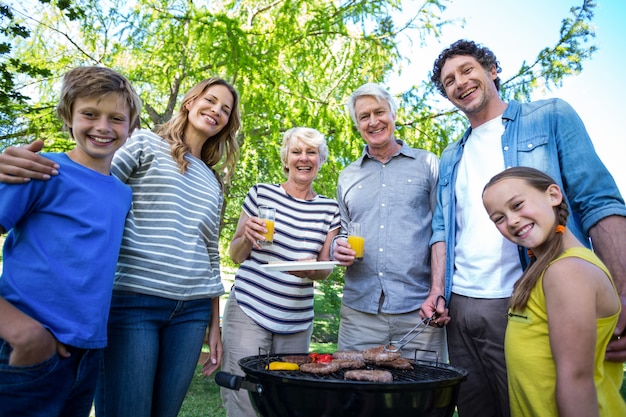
(390, 190)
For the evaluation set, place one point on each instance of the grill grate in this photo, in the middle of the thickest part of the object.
(422, 372)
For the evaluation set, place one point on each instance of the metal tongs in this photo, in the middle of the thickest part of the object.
(395, 345)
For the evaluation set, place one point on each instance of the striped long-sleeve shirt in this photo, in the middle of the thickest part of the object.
(278, 301)
(170, 243)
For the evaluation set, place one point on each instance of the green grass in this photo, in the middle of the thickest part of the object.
(203, 398)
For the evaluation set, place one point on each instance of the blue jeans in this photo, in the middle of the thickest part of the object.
(153, 350)
(57, 387)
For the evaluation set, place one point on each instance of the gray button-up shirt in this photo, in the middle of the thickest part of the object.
(394, 202)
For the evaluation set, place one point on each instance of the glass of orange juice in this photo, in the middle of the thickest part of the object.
(356, 240)
(268, 215)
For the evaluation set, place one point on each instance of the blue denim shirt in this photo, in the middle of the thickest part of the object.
(394, 202)
(547, 135)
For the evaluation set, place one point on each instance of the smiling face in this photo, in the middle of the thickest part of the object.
(375, 122)
(523, 214)
(100, 126)
(471, 88)
(209, 113)
(303, 162)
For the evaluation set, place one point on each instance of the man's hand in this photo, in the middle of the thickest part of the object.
(342, 252)
(19, 164)
(435, 306)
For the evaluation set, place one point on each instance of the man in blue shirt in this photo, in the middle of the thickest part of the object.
(390, 190)
(480, 266)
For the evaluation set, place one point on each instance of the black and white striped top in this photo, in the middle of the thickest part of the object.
(278, 301)
(170, 243)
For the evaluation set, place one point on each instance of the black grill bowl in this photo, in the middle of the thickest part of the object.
(429, 390)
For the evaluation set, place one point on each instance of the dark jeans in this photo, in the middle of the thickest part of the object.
(57, 387)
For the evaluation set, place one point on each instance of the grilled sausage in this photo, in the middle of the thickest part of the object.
(369, 375)
(351, 355)
(320, 368)
(400, 363)
(299, 359)
(350, 363)
(379, 354)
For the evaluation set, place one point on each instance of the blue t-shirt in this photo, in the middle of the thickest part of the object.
(61, 250)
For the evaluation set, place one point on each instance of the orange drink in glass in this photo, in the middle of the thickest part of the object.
(356, 240)
(268, 215)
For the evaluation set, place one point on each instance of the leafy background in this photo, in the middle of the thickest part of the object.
(294, 63)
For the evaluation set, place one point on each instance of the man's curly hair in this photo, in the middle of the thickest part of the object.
(483, 55)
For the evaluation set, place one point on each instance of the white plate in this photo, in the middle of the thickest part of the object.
(299, 266)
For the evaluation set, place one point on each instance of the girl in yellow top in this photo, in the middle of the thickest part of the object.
(563, 309)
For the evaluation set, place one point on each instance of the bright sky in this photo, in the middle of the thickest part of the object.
(516, 31)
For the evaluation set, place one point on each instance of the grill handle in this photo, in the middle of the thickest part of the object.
(235, 382)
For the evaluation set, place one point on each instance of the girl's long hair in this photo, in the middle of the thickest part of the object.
(219, 152)
(553, 245)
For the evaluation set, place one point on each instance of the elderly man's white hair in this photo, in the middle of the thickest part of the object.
(371, 90)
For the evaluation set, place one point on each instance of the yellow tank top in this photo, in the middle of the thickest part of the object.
(529, 361)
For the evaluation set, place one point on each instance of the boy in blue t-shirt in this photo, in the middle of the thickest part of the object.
(60, 254)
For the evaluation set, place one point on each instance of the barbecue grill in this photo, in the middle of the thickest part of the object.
(430, 389)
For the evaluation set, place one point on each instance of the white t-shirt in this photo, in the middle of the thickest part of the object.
(486, 264)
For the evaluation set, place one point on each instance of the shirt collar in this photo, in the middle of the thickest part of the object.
(404, 150)
(510, 113)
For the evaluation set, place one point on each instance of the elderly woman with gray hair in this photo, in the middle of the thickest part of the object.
(270, 309)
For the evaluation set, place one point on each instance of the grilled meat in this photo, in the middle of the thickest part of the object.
(369, 375)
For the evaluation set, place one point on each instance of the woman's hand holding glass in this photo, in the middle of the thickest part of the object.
(255, 231)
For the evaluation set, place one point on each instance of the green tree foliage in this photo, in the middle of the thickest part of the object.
(294, 63)
(13, 102)
(19, 71)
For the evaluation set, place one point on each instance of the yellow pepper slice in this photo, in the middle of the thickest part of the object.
(283, 366)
